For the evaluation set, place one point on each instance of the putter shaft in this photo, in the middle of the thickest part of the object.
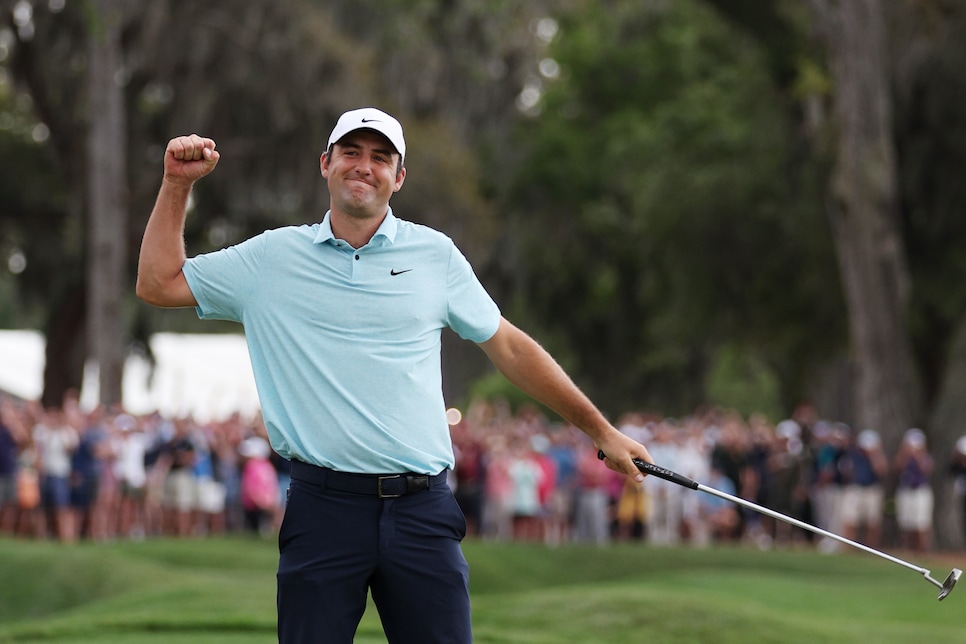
(674, 477)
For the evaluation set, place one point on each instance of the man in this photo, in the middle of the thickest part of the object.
(915, 501)
(343, 322)
(132, 446)
(179, 495)
(55, 438)
(864, 468)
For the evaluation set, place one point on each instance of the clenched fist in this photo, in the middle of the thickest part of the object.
(189, 158)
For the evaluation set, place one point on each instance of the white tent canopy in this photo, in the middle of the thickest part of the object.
(208, 376)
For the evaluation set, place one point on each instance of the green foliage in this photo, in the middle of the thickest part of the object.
(659, 206)
(33, 215)
(266, 79)
(736, 379)
(664, 209)
(495, 388)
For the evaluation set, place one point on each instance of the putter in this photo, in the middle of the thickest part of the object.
(945, 587)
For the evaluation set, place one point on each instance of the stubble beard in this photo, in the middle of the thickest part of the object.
(360, 202)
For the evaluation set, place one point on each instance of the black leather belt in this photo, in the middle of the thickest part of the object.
(384, 486)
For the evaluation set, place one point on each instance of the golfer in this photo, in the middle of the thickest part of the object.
(343, 321)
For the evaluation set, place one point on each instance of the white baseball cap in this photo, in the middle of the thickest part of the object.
(869, 439)
(254, 447)
(788, 429)
(369, 118)
(915, 437)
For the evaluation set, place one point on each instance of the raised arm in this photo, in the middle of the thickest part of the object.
(160, 280)
(528, 366)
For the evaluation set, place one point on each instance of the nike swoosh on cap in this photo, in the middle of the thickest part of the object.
(371, 120)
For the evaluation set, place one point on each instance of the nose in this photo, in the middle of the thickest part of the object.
(364, 164)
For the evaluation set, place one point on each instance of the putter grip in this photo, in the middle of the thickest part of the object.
(659, 472)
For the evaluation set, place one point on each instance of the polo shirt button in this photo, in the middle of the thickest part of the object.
(357, 257)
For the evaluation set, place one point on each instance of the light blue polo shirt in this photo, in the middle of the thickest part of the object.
(344, 342)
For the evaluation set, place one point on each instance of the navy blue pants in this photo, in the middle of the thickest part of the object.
(335, 547)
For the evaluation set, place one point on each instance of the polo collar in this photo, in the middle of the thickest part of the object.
(387, 229)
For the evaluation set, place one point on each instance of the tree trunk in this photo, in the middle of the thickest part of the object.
(863, 212)
(108, 226)
(947, 425)
(63, 358)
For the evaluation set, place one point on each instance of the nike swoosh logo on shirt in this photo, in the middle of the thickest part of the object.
(393, 271)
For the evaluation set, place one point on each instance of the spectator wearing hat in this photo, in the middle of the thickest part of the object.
(827, 485)
(665, 499)
(129, 468)
(259, 485)
(787, 489)
(914, 496)
(863, 468)
(180, 490)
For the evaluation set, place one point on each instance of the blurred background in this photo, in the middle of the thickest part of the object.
(748, 204)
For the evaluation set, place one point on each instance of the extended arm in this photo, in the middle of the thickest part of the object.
(160, 280)
(528, 366)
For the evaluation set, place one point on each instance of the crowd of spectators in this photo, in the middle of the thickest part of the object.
(518, 477)
(70, 474)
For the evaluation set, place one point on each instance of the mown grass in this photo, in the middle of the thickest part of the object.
(223, 590)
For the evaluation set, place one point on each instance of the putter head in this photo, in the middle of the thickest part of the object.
(951, 580)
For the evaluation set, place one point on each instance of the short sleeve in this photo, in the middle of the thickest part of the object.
(471, 312)
(221, 281)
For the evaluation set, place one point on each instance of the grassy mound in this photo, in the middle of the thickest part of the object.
(223, 590)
